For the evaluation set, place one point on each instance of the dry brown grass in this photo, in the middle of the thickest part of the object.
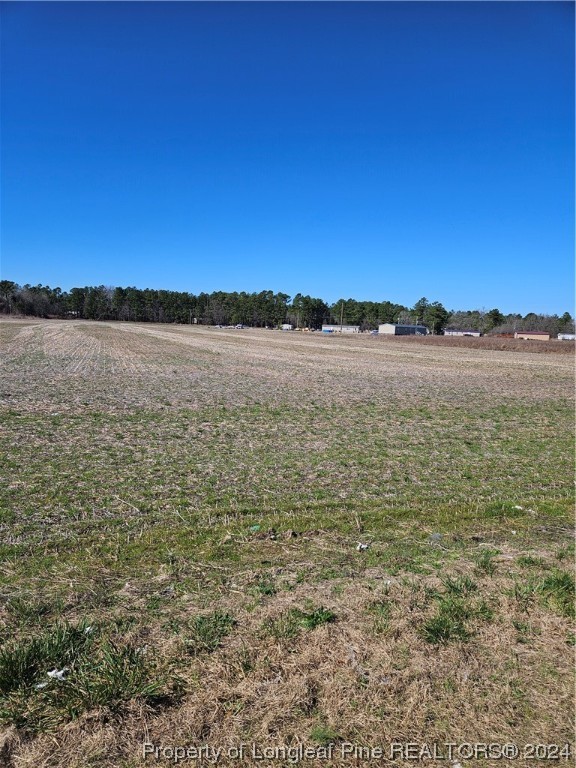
(70, 366)
(157, 474)
(361, 686)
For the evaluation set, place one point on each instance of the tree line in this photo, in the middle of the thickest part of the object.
(260, 310)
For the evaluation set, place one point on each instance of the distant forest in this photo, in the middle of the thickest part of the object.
(260, 310)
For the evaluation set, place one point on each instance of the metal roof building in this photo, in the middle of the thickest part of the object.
(394, 329)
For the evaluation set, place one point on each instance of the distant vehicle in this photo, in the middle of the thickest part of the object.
(373, 333)
(239, 325)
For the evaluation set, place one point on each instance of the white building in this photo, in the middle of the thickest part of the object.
(394, 329)
(340, 328)
(461, 333)
(567, 336)
(286, 326)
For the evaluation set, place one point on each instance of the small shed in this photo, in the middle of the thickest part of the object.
(567, 336)
(395, 329)
(532, 335)
(287, 327)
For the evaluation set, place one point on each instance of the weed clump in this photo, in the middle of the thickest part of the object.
(23, 663)
(484, 562)
(558, 592)
(449, 622)
(65, 671)
(460, 586)
(456, 608)
(380, 611)
(265, 586)
(287, 625)
(315, 618)
(207, 632)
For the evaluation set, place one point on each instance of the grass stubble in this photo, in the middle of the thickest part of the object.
(181, 510)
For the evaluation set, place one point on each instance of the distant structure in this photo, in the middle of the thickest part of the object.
(532, 335)
(340, 328)
(567, 336)
(450, 332)
(287, 327)
(394, 329)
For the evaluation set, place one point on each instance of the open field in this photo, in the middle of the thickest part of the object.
(180, 510)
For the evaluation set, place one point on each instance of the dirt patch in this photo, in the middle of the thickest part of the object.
(552, 347)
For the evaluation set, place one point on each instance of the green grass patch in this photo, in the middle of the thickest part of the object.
(324, 735)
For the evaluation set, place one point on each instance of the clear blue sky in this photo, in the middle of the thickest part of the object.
(381, 150)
